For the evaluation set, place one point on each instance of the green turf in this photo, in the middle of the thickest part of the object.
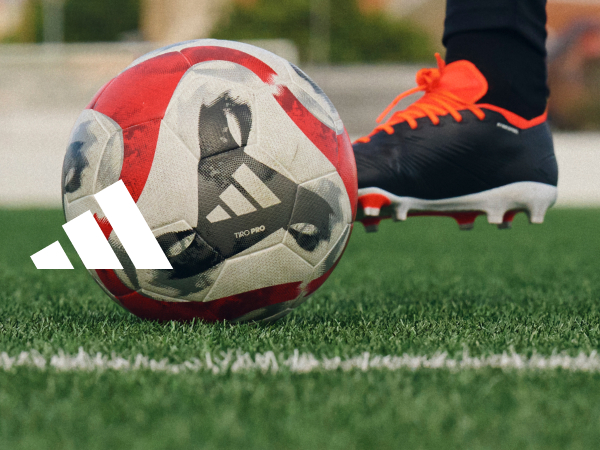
(419, 288)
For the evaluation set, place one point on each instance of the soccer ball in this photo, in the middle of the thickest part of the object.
(239, 164)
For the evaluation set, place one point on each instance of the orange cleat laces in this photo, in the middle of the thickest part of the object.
(435, 102)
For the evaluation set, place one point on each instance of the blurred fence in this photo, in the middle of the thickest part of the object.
(43, 88)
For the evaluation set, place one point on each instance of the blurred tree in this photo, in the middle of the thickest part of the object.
(354, 36)
(100, 20)
(85, 20)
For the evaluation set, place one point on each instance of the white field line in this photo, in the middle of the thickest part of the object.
(237, 361)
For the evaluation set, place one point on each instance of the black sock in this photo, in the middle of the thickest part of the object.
(516, 71)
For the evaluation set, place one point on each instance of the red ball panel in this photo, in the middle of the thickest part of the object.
(347, 169)
(323, 137)
(143, 92)
(197, 55)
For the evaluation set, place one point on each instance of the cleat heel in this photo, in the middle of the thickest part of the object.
(371, 204)
(538, 205)
(495, 217)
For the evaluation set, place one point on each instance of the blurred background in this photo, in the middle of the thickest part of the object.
(55, 54)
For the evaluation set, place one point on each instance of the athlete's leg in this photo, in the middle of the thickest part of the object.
(506, 40)
(477, 142)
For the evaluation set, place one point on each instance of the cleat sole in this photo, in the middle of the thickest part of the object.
(500, 205)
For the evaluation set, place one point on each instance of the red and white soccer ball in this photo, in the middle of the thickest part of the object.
(239, 164)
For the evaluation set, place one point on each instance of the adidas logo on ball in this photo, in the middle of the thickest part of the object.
(236, 201)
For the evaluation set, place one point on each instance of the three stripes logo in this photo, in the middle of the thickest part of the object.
(236, 201)
(92, 246)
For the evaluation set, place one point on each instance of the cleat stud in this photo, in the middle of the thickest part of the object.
(536, 219)
(371, 224)
(507, 220)
(536, 216)
(465, 220)
(495, 218)
(371, 228)
(401, 214)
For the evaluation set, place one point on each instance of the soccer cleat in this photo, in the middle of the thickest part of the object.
(447, 155)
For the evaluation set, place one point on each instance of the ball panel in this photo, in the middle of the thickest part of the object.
(225, 122)
(321, 214)
(333, 256)
(314, 99)
(281, 139)
(195, 264)
(196, 55)
(323, 137)
(270, 267)
(86, 146)
(175, 227)
(212, 87)
(276, 311)
(139, 146)
(331, 189)
(161, 51)
(230, 72)
(310, 103)
(259, 153)
(150, 84)
(170, 193)
(162, 286)
(111, 163)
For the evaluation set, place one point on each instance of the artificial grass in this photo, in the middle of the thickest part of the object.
(419, 287)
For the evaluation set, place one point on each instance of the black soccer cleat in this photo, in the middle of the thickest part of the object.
(446, 155)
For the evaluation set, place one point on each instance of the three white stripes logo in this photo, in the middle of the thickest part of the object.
(236, 201)
(93, 248)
